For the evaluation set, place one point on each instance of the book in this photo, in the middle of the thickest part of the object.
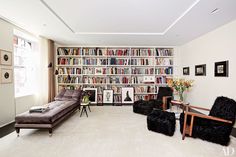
(39, 109)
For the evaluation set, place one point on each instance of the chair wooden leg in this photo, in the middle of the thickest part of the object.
(89, 108)
(191, 126)
(184, 127)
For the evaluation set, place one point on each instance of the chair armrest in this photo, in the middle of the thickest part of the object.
(196, 107)
(188, 129)
(208, 117)
(164, 101)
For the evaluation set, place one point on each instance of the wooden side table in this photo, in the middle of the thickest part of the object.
(84, 105)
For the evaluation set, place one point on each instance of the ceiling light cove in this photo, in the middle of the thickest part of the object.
(75, 22)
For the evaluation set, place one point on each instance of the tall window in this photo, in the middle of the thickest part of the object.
(24, 66)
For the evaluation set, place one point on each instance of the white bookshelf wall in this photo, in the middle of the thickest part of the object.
(143, 68)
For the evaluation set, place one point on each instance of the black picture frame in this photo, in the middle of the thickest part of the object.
(186, 71)
(93, 94)
(222, 69)
(200, 70)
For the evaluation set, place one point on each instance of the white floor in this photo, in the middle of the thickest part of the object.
(109, 131)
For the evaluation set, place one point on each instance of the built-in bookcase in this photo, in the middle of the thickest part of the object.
(144, 69)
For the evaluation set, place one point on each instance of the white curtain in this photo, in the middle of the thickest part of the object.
(42, 75)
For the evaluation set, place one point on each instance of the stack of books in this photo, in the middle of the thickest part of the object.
(38, 109)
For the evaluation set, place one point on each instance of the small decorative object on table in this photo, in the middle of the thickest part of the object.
(180, 85)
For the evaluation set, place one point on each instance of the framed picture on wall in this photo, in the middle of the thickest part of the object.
(127, 95)
(186, 71)
(107, 96)
(6, 75)
(222, 69)
(92, 92)
(6, 57)
(200, 70)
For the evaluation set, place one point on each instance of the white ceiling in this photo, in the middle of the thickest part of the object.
(119, 22)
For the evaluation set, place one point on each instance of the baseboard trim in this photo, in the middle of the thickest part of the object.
(7, 129)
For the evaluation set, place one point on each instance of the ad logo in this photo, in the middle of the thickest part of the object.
(228, 151)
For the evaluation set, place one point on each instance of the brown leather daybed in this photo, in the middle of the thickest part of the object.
(66, 103)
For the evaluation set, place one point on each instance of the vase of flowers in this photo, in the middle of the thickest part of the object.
(180, 86)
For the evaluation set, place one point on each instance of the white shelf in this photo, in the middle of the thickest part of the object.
(144, 93)
(118, 65)
(69, 65)
(69, 56)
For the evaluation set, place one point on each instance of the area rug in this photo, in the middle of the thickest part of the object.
(108, 131)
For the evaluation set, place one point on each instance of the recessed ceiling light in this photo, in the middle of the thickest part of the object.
(215, 10)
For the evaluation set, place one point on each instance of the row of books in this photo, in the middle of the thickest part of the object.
(118, 52)
(142, 70)
(69, 61)
(60, 87)
(69, 79)
(136, 79)
(93, 51)
(145, 89)
(142, 52)
(94, 61)
(145, 97)
(69, 71)
(115, 70)
(95, 71)
(99, 99)
(164, 52)
(116, 89)
(116, 61)
(68, 51)
(115, 52)
(164, 61)
(141, 61)
(162, 79)
(117, 98)
(96, 80)
(118, 80)
(167, 70)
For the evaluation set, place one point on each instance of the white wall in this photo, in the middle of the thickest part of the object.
(7, 107)
(218, 45)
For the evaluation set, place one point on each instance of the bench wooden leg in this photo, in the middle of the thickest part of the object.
(50, 131)
(18, 131)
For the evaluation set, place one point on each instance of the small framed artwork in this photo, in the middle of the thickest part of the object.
(200, 70)
(222, 69)
(6, 75)
(107, 96)
(92, 92)
(6, 57)
(186, 71)
(127, 95)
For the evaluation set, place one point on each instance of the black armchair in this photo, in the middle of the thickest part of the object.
(162, 102)
(216, 127)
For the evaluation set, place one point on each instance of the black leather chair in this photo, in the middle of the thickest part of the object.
(215, 127)
(145, 107)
